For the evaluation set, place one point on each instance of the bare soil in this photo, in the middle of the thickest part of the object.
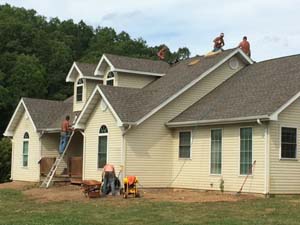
(74, 193)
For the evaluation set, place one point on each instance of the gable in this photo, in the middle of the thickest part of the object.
(20, 111)
(82, 70)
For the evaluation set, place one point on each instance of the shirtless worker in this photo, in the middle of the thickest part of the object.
(245, 46)
(219, 43)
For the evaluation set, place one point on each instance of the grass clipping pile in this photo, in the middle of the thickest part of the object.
(74, 193)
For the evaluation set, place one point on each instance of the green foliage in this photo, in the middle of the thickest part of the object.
(5, 158)
(36, 54)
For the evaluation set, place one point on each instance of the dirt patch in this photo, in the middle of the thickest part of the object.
(18, 185)
(184, 195)
(74, 193)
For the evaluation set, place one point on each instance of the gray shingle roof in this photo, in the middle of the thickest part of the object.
(138, 64)
(135, 104)
(86, 68)
(258, 89)
(48, 114)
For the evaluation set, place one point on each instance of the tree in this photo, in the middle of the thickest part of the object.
(5, 158)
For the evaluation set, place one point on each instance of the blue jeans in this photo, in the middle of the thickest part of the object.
(64, 137)
(217, 49)
(109, 183)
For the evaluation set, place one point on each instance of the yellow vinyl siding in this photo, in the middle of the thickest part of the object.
(149, 147)
(30, 173)
(134, 80)
(90, 86)
(195, 172)
(284, 174)
(98, 118)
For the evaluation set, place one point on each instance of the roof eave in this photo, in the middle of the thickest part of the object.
(218, 121)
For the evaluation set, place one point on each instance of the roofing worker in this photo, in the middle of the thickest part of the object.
(109, 177)
(64, 134)
(219, 43)
(162, 52)
(245, 46)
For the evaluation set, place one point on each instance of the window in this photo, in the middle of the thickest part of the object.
(79, 90)
(110, 79)
(288, 142)
(246, 151)
(185, 144)
(102, 146)
(216, 152)
(25, 149)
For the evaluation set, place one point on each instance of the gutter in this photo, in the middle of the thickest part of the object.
(218, 121)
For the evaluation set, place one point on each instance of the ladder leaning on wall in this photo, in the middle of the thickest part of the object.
(47, 181)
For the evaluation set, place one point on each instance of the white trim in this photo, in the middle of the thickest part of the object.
(107, 145)
(189, 85)
(215, 174)
(280, 136)
(119, 122)
(139, 72)
(191, 142)
(8, 133)
(218, 121)
(274, 116)
(103, 58)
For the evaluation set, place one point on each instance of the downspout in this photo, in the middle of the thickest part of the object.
(266, 175)
(12, 159)
(40, 156)
(83, 155)
(123, 151)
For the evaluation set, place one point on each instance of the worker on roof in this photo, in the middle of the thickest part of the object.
(219, 43)
(245, 46)
(162, 52)
(109, 177)
(64, 134)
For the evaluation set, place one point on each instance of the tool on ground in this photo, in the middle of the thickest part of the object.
(130, 187)
(250, 171)
(47, 181)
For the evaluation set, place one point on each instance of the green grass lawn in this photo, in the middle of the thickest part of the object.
(15, 208)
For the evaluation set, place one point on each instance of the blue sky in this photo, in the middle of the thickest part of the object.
(272, 26)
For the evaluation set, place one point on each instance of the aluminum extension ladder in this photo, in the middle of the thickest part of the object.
(47, 181)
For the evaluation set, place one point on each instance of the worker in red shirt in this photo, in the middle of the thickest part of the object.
(219, 43)
(64, 134)
(109, 177)
(245, 46)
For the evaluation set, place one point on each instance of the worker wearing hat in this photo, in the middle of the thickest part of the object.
(219, 43)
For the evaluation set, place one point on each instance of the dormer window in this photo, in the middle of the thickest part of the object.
(110, 79)
(79, 90)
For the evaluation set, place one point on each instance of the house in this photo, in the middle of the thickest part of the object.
(189, 125)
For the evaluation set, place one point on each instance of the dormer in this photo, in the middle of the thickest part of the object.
(82, 75)
(129, 72)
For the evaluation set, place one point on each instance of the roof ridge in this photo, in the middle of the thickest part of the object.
(40, 99)
(131, 57)
(278, 58)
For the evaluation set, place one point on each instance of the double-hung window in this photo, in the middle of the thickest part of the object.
(102, 146)
(79, 90)
(216, 151)
(25, 149)
(288, 143)
(246, 151)
(185, 144)
(110, 79)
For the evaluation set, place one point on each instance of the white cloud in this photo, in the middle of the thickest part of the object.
(271, 26)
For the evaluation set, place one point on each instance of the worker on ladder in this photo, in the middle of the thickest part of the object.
(245, 46)
(219, 43)
(64, 134)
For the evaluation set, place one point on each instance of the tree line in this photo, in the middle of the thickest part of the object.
(36, 53)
